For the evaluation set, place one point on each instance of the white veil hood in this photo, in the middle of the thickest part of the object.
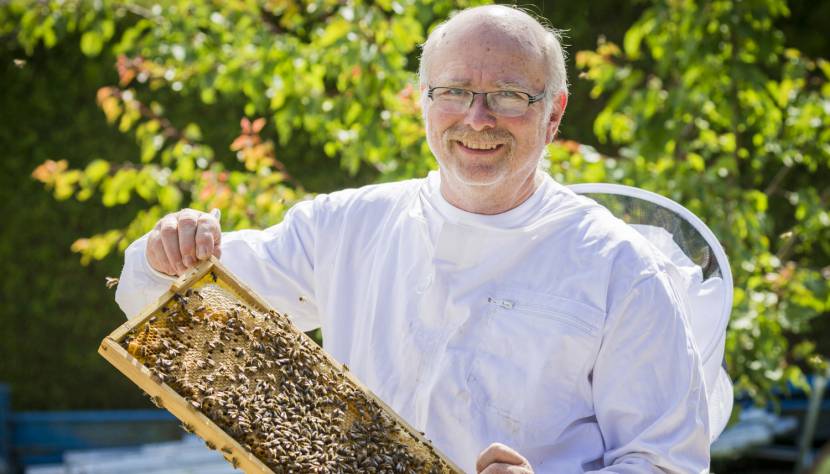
(703, 276)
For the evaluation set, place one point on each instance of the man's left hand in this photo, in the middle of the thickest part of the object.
(500, 459)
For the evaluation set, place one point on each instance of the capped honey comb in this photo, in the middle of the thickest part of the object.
(242, 377)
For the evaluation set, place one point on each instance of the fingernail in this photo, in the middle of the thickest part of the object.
(188, 261)
(201, 253)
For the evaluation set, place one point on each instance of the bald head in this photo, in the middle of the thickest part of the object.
(530, 38)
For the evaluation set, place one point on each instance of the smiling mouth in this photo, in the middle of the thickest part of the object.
(479, 147)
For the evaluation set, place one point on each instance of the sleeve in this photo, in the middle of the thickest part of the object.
(276, 263)
(648, 387)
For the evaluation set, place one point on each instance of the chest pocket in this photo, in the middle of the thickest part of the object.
(534, 352)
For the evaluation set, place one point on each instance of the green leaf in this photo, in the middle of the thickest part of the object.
(696, 161)
(170, 197)
(634, 37)
(336, 29)
(96, 170)
(91, 43)
(192, 132)
(208, 96)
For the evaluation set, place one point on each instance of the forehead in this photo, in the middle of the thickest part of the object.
(488, 53)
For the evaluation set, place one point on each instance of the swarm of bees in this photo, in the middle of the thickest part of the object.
(271, 388)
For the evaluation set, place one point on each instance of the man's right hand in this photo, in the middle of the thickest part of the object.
(179, 240)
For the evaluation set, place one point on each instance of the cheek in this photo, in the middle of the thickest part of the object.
(435, 127)
(529, 136)
(529, 141)
(434, 135)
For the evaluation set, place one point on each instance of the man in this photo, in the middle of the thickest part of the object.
(520, 326)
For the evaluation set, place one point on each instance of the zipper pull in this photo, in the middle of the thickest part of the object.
(506, 304)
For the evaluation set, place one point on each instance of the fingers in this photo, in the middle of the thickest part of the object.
(204, 242)
(169, 230)
(217, 241)
(187, 221)
(156, 256)
(498, 458)
(181, 239)
(208, 236)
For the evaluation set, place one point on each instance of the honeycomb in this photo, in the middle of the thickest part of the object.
(271, 388)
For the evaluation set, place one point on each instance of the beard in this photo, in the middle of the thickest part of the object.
(492, 136)
(476, 171)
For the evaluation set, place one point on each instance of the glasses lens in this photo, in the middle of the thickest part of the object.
(507, 103)
(456, 100)
(452, 99)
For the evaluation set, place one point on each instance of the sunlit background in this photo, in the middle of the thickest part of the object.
(115, 113)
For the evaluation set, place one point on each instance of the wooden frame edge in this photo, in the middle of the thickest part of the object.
(171, 401)
(200, 424)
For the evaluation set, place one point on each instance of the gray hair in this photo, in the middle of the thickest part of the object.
(557, 79)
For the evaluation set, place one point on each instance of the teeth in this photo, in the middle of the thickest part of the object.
(476, 146)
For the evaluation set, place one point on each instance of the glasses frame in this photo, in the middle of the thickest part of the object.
(531, 99)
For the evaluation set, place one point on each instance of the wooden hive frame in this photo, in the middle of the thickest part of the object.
(112, 350)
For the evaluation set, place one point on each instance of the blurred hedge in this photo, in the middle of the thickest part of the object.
(55, 310)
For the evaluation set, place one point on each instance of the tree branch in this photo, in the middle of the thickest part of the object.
(788, 248)
(775, 184)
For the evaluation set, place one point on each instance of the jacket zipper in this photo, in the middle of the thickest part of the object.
(542, 312)
(506, 304)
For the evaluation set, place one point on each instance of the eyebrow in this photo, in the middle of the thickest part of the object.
(455, 82)
(513, 85)
(501, 84)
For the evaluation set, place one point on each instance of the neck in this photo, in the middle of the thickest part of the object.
(489, 200)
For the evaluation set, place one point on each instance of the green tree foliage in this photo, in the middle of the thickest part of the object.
(246, 106)
(318, 75)
(249, 106)
(707, 105)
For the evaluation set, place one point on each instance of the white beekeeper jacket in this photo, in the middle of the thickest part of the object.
(552, 328)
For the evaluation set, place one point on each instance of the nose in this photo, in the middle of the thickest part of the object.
(479, 116)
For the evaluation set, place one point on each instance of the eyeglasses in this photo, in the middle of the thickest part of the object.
(455, 100)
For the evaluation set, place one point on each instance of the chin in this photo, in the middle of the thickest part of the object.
(477, 175)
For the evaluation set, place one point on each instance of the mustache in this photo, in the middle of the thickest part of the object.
(490, 135)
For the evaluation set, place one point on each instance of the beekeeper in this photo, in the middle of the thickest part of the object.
(521, 327)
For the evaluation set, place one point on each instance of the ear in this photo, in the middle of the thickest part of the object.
(423, 100)
(556, 114)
